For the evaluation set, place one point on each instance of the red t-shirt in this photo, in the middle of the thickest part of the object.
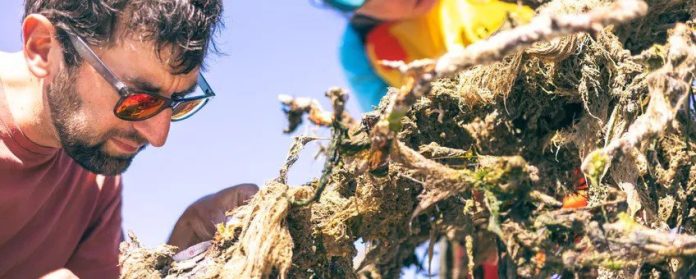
(53, 213)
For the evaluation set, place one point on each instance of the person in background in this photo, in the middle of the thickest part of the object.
(408, 30)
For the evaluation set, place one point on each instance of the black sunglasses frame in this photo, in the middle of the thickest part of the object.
(122, 89)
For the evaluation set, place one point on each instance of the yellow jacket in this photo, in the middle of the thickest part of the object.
(449, 25)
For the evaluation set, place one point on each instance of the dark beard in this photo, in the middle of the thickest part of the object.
(85, 149)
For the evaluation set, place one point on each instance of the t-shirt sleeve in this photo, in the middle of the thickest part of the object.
(97, 254)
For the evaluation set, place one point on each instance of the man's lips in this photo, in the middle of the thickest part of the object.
(125, 145)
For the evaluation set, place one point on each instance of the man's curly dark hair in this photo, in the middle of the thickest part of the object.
(183, 28)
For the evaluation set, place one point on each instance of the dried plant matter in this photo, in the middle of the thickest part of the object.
(479, 148)
(543, 27)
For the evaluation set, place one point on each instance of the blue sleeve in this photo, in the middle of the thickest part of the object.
(362, 78)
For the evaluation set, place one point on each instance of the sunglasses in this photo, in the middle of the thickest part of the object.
(135, 104)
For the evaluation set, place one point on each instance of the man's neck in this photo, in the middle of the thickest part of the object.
(26, 101)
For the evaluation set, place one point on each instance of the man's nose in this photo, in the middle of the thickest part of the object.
(156, 128)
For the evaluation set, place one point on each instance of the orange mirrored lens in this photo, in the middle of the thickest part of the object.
(139, 106)
(185, 109)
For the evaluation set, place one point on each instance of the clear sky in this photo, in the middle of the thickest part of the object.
(271, 48)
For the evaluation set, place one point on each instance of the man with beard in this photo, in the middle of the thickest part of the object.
(96, 81)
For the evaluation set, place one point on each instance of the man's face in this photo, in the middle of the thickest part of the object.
(396, 9)
(82, 104)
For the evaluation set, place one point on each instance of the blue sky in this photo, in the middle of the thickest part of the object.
(271, 48)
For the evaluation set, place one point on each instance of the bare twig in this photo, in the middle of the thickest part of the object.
(505, 174)
(626, 243)
(434, 151)
(295, 108)
(542, 27)
(338, 98)
(293, 155)
(544, 198)
(631, 235)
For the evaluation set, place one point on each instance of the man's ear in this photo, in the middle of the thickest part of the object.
(38, 35)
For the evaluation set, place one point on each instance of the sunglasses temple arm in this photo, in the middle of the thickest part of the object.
(96, 63)
(205, 86)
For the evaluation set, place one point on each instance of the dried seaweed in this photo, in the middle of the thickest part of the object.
(479, 149)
